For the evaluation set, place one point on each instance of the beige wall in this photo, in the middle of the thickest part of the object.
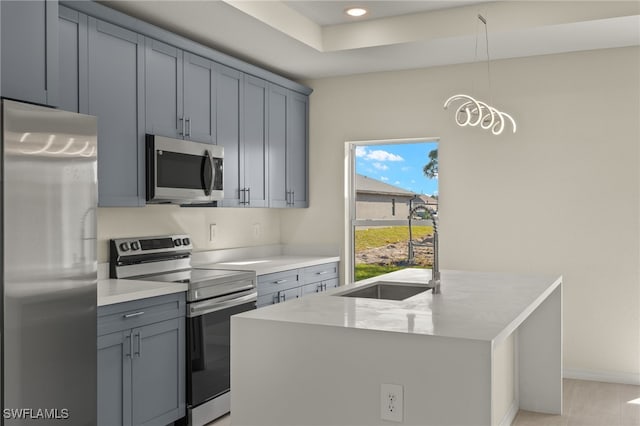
(234, 227)
(577, 141)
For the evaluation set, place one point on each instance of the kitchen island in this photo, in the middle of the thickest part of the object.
(489, 344)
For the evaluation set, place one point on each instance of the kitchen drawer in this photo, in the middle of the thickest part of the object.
(272, 283)
(322, 272)
(127, 315)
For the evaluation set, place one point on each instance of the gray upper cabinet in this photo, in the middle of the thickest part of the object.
(29, 34)
(229, 130)
(297, 147)
(288, 144)
(278, 102)
(72, 54)
(241, 127)
(116, 97)
(180, 90)
(199, 99)
(163, 80)
(254, 146)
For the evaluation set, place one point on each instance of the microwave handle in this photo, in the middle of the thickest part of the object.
(207, 173)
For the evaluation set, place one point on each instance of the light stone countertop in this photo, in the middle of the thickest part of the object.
(113, 291)
(472, 305)
(270, 264)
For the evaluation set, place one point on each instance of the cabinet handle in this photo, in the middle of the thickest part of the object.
(188, 121)
(248, 196)
(322, 272)
(288, 198)
(280, 281)
(181, 120)
(276, 298)
(135, 314)
(293, 198)
(130, 346)
(139, 351)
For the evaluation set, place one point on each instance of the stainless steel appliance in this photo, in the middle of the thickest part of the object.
(49, 266)
(183, 172)
(212, 298)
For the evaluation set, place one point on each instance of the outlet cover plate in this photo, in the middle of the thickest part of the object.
(391, 402)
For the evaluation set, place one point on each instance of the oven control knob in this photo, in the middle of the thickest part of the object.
(135, 245)
(124, 246)
(185, 242)
(177, 242)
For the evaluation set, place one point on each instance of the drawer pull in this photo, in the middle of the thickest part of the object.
(135, 314)
(322, 272)
(280, 281)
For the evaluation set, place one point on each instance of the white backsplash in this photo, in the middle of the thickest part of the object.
(235, 227)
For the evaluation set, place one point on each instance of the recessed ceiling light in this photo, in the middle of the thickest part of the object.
(356, 11)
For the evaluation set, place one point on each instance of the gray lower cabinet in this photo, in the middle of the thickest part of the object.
(116, 97)
(141, 362)
(29, 39)
(288, 145)
(292, 284)
(180, 93)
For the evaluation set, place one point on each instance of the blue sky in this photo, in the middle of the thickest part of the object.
(398, 164)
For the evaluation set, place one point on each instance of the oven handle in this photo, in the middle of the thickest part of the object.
(207, 306)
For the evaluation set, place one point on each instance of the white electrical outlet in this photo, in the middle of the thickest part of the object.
(391, 402)
(257, 231)
(212, 232)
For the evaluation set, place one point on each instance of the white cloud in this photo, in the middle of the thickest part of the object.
(396, 182)
(380, 166)
(380, 155)
(384, 179)
(361, 151)
(405, 168)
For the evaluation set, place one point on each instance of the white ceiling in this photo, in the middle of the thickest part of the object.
(309, 39)
(332, 12)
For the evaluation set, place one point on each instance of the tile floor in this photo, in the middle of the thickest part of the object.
(585, 404)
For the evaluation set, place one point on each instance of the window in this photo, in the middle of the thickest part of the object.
(386, 179)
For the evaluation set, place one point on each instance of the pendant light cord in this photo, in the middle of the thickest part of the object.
(486, 38)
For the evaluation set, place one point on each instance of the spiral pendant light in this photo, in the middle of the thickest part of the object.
(472, 112)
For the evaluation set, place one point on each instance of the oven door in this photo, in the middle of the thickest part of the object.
(183, 172)
(208, 344)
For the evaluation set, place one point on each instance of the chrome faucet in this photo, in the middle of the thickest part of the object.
(434, 282)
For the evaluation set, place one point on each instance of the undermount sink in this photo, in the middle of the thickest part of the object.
(387, 290)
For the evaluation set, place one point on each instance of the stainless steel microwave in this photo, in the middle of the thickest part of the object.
(182, 172)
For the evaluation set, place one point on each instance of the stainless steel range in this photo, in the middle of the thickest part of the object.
(212, 298)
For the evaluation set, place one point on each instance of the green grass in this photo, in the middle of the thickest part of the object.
(363, 271)
(380, 237)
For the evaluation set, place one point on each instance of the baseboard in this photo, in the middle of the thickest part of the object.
(602, 376)
(510, 415)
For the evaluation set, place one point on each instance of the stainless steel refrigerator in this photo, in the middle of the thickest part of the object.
(49, 266)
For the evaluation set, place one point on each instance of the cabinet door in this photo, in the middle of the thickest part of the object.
(291, 294)
(278, 191)
(311, 288)
(229, 130)
(332, 283)
(254, 147)
(30, 50)
(114, 379)
(72, 60)
(199, 99)
(116, 91)
(297, 145)
(163, 83)
(158, 386)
